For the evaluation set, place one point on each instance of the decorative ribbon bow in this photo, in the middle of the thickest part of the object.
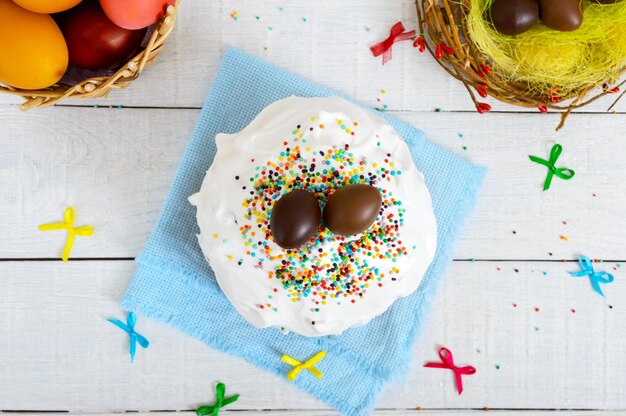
(219, 402)
(448, 362)
(307, 365)
(594, 277)
(72, 232)
(563, 173)
(396, 34)
(129, 328)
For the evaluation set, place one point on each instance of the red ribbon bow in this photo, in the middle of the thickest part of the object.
(396, 34)
(448, 362)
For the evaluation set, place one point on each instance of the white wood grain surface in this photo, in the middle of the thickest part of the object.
(61, 354)
(57, 352)
(115, 166)
(378, 412)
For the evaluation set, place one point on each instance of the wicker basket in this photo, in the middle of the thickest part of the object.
(444, 34)
(100, 86)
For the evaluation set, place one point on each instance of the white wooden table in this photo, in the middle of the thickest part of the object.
(539, 338)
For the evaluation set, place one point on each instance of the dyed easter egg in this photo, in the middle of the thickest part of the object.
(295, 219)
(512, 17)
(95, 42)
(562, 15)
(352, 209)
(135, 14)
(47, 6)
(33, 53)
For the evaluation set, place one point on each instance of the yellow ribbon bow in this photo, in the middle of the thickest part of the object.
(84, 231)
(307, 365)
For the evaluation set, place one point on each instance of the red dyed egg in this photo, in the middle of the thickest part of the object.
(95, 42)
(135, 14)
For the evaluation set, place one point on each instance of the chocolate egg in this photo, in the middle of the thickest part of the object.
(352, 209)
(562, 15)
(512, 17)
(295, 218)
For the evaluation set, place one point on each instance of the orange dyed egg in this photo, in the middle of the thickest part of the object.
(47, 6)
(33, 52)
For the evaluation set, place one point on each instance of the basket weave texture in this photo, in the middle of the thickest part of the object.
(96, 87)
(444, 34)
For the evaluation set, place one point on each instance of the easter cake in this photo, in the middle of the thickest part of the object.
(314, 217)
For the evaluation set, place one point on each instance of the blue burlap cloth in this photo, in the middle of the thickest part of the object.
(174, 283)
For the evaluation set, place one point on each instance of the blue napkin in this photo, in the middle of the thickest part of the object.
(174, 283)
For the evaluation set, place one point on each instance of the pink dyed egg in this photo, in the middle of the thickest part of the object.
(135, 14)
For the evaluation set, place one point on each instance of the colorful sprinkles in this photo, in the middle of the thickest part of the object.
(330, 268)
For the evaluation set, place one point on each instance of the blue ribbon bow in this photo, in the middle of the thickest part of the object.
(129, 328)
(594, 277)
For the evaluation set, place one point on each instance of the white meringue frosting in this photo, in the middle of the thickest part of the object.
(331, 283)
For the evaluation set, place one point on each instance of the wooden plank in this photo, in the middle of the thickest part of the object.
(538, 341)
(330, 47)
(116, 166)
(378, 412)
(514, 218)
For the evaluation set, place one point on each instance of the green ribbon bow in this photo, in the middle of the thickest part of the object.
(563, 173)
(219, 402)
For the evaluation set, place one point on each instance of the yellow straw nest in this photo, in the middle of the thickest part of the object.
(540, 68)
(547, 59)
